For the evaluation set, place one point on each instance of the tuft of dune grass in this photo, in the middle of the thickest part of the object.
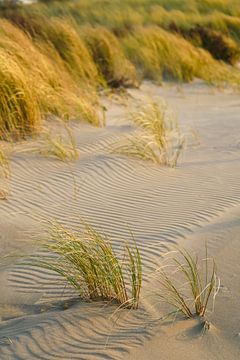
(5, 171)
(87, 261)
(48, 84)
(72, 50)
(62, 35)
(160, 54)
(61, 147)
(157, 136)
(188, 284)
(108, 54)
(19, 109)
(4, 163)
(220, 45)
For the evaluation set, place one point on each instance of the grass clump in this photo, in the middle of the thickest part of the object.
(162, 55)
(61, 33)
(87, 261)
(62, 148)
(157, 137)
(221, 46)
(108, 54)
(19, 109)
(186, 286)
(71, 49)
(4, 163)
(51, 86)
(5, 172)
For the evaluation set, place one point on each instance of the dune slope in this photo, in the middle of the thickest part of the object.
(41, 318)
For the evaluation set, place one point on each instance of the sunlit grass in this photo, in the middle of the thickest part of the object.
(61, 147)
(160, 55)
(188, 284)
(76, 48)
(157, 137)
(43, 85)
(5, 171)
(87, 261)
(4, 163)
(108, 54)
(19, 109)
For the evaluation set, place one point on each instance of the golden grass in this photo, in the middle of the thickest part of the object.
(87, 261)
(71, 49)
(107, 53)
(45, 80)
(61, 147)
(157, 137)
(187, 286)
(76, 48)
(160, 54)
(4, 163)
(5, 171)
(19, 109)
(62, 35)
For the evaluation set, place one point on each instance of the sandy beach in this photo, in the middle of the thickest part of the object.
(196, 202)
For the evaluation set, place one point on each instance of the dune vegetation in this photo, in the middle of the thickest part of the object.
(157, 136)
(87, 261)
(187, 284)
(5, 171)
(75, 48)
(61, 146)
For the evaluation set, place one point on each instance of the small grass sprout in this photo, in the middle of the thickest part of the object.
(157, 137)
(5, 172)
(87, 261)
(61, 147)
(187, 286)
(4, 163)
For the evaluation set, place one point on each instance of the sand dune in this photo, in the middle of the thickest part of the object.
(197, 201)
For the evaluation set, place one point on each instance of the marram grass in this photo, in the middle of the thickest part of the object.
(19, 109)
(5, 172)
(157, 137)
(186, 285)
(75, 48)
(4, 163)
(60, 147)
(162, 55)
(71, 49)
(87, 261)
(39, 84)
(108, 54)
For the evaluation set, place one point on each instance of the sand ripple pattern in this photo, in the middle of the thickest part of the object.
(160, 205)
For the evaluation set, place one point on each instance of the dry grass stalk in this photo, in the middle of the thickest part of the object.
(157, 136)
(61, 147)
(186, 286)
(108, 54)
(5, 171)
(87, 261)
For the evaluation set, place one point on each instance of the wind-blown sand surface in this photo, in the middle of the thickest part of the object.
(41, 318)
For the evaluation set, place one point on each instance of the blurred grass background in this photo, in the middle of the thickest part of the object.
(55, 56)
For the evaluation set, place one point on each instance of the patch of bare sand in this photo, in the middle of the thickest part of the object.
(198, 201)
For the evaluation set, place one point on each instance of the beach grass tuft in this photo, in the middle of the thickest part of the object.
(4, 163)
(108, 54)
(61, 147)
(19, 110)
(87, 261)
(157, 136)
(187, 286)
(161, 55)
